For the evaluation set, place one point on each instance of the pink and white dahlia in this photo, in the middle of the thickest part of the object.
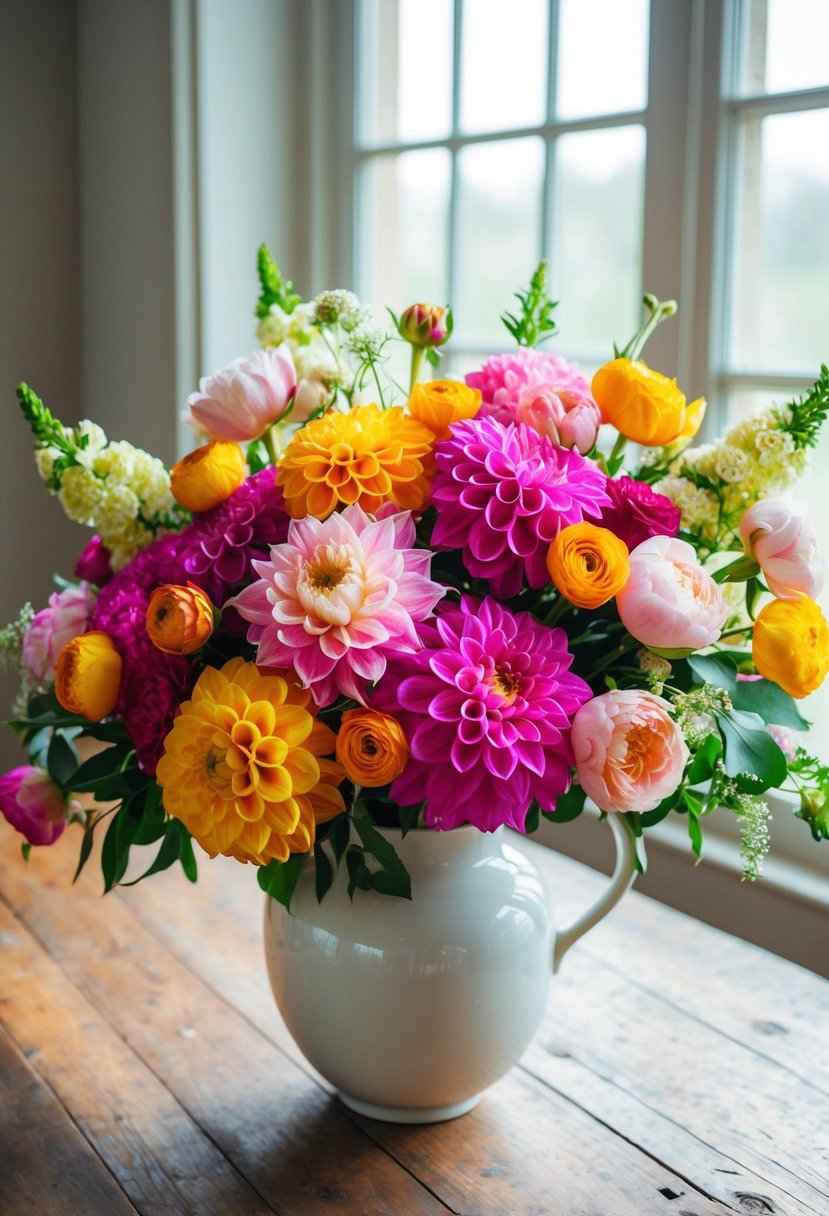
(486, 706)
(337, 598)
(505, 379)
(503, 493)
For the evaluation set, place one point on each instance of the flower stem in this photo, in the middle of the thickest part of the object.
(659, 310)
(417, 363)
(269, 440)
(557, 611)
(614, 460)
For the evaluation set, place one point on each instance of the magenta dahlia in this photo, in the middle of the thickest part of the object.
(504, 379)
(153, 684)
(223, 542)
(487, 706)
(503, 493)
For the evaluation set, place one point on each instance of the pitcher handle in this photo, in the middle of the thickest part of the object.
(620, 882)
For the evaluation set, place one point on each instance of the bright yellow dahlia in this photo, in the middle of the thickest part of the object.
(242, 766)
(369, 456)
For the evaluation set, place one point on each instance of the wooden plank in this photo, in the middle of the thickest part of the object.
(289, 1138)
(755, 998)
(160, 1157)
(48, 1168)
(733, 1174)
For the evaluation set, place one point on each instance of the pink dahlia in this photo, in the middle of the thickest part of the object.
(222, 543)
(503, 493)
(637, 512)
(153, 684)
(337, 598)
(505, 379)
(486, 706)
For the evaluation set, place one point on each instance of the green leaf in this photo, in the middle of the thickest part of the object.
(256, 457)
(113, 862)
(323, 871)
(392, 877)
(408, 817)
(169, 852)
(568, 806)
(705, 759)
(716, 669)
(279, 878)
(359, 875)
(188, 857)
(61, 759)
(533, 819)
(25, 850)
(750, 750)
(695, 833)
(102, 765)
(649, 819)
(338, 837)
(768, 699)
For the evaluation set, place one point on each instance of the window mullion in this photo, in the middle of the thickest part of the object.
(548, 196)
(454, 180)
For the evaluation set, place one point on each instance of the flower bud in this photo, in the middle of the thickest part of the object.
(179, 619)
(33, 804)
(88, 676)
(779, 535)
(425, 325)
(569, 418)
(208, 475)
(371, 747)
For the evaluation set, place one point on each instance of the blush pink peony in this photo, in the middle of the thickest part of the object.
(504, 379)
(780, 536)
(337, 598)
(241, 402)
(570, 418)
(33, 804)
(669, 603)
(628, 751)
(66, 615)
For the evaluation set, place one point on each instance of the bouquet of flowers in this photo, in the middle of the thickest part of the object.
(359, 605)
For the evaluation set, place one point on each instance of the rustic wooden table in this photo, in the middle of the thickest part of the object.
(144, 1069)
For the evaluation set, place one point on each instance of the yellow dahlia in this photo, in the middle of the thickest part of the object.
(368, 456)
(242, 766)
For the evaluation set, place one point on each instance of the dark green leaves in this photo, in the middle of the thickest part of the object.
(568, 806)
(61, 759)
(279, 878)
(761, 697)
(752, 758)
(390, 877)
(534, 322)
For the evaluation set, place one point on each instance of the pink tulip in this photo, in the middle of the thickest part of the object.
(780, 536)
(570, 418)
(629, 751)
(241, 402)
(66, 616)
(669, 603)
(33, 804)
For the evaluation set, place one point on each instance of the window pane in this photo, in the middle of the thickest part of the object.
(499, 232)
(781, 297)
(406, 70)
(503, 64)
(785, 45)
(403, 217)
(602, 57)
(597, 242)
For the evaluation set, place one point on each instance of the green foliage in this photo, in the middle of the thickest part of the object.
(390, 877)
(47, 430)
(761, 697)
(534, 323)
(568, 806)
(273, 288)
(752, 758)
(809, 412)
(279, 878)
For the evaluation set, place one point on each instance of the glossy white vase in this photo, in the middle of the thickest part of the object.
(411, 1009)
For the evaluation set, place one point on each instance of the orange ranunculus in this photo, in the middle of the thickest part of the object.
(588, 564)
(179, 619)
(791, 645)
(644, 405)
(88, 675)
(439, 403)
(371, 747)
(208, 476)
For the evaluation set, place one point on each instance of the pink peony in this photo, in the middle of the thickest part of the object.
(486, 706)
(780, 536)
(339, 597)
(629, 751)
(669, 602)
(33, 804)
(504, 380)
(66, 616)
(94, 563)
(503, 493)
(569, 418)
(637, 512)
(241, 402)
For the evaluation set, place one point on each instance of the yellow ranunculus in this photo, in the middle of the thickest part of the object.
(588, 564)
(208, 476)
(791, 645)
(371, 747)
(88, 676)
(179, 619)
(439, 403)
(644, 405)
